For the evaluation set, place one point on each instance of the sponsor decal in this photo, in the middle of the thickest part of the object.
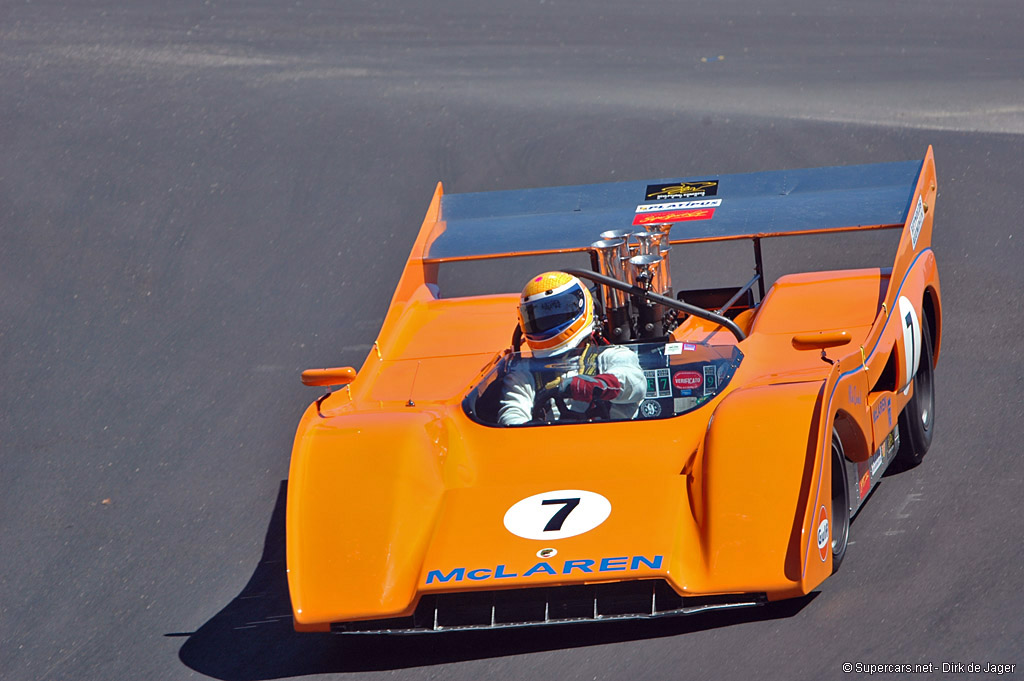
(823, 534)
(884, 406)
(853, 392)
(549, 568)
(681, 190)
(557, 514)
(677, 205)
(674, 216)
(916, 222)
(547, 553)
(876, 461)
(673, 348)
(687, 380)
(650, 409)
(710, 379)
(865, 484)
(681, 404)
(689, 347)
(657, 383)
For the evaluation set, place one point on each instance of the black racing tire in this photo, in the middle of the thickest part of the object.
(840, 503)
(917, 420)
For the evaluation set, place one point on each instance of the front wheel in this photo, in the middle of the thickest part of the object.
(917, 420)
(840, 503)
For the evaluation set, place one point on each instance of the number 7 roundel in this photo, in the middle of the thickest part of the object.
(557, 515)
(911, 335)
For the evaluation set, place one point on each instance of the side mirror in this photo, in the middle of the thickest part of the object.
(334, 376)
(821, 340)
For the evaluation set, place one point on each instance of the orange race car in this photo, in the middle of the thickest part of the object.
(455, 481)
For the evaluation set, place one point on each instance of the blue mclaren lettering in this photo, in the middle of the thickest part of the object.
(585, 565)
(581, 565)
(653, 564)
(540, 567)
(884, 406)
(457, 574)
(613, 564)
(500, 573)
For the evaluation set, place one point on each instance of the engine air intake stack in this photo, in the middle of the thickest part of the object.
(607, 260)
(660, 246)
(645, 269)
(640, 258)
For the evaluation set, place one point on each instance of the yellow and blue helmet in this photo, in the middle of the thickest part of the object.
(556, 313)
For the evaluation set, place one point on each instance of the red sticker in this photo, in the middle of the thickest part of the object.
(823, 533)
(865, 484)
(687, 380)
(674, 216)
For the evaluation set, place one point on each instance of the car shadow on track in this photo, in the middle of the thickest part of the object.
(252, 637)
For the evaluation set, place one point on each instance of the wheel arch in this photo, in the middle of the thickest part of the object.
(855, 445)
(931, 307)
(841, 510)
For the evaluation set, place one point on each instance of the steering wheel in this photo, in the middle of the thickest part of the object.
(542, 412)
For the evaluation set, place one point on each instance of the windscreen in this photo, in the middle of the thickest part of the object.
(680, 377)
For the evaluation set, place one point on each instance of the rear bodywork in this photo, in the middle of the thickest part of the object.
(397, 494)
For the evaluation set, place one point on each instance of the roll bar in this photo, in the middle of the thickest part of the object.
(662, 300)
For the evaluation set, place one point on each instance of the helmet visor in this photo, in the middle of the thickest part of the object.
(549, 315)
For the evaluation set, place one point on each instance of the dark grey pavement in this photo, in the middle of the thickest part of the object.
(199, 199)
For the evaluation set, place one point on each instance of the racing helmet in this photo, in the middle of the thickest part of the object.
(556, 313)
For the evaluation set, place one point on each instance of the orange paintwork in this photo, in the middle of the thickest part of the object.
(821, 339)
(391, 480)
(334, 376)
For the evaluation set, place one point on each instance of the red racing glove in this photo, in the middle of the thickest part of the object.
(590, 388)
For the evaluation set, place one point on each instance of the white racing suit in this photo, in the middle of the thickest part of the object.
(521, 386)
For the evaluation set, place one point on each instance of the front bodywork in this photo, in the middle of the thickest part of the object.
(398, 497)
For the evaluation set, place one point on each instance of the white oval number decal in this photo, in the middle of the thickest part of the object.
(911, 340)
(557, 515)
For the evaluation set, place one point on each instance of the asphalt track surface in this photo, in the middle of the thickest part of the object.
(199, 199)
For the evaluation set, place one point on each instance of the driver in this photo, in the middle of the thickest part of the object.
(556, 315)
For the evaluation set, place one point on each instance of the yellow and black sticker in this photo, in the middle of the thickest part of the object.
(681, 190)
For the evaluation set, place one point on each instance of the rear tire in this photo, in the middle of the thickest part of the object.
(917, 420)
(840, 503)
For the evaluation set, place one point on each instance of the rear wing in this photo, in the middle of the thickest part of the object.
(707, 208)
(485, 225)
